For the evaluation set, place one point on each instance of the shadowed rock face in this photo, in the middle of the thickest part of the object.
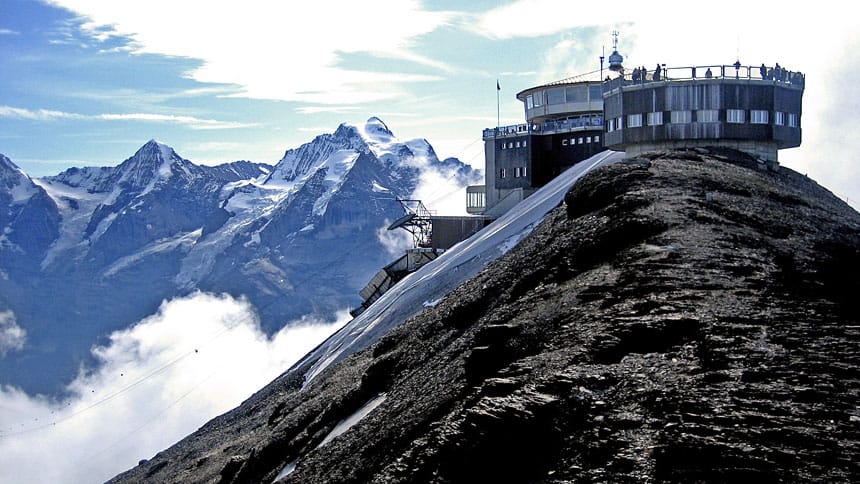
(685, 317)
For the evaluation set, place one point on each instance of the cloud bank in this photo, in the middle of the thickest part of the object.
(261, 45)
(155, 382)
(50, 115)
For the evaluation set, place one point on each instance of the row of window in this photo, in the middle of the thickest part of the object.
(580, 140)
(565, 142)
(511, 145)
(561, 95)
(476, 199)
(519, 172)
(734, 116)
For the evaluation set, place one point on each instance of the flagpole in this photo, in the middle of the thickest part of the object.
(498, 109)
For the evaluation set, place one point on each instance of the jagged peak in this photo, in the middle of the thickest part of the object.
(299, 161)
(15, 181)
(8, 168)
(344, 130)
(158, 150)
(8, 164)
(376, 125)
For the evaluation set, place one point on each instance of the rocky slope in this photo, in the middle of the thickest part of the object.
(686, 316)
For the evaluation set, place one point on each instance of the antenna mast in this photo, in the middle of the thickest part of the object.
(602, 56)
(615, 59)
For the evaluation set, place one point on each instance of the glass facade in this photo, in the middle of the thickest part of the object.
(735, 116)
(679, 117)
(758, 116)
(707, 116)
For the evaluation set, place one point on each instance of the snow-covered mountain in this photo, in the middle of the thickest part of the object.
(108, 244)
(28, 217)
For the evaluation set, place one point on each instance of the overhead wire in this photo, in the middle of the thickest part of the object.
(161, 369)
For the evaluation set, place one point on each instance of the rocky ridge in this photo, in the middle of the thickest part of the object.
(686, 316)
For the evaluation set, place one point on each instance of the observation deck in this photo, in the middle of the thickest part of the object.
(756, 109)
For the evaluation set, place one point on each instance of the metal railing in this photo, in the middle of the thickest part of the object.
(762, 73)
(547, 127)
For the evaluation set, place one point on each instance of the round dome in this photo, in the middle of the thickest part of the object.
(615, 61)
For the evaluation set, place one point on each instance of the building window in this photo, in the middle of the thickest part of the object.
(577, 94)
(524, 144)
(735, 116)
(530, 102)
(655, 118)
(579, 141)
(758, 116)
(538, 97)
(680, 117)
(503, 146)
(555, 96)
(779, 118)
(476, 199)
(792, 120)
(707, 116)
(634, 120)
(518, 144)
(564, 142)
(597, 139)
(516, 172)
(595, 93)
(588, 139)
(510, 145)
(502, 173)
(524, 171)
(610, 125)
(618, 123)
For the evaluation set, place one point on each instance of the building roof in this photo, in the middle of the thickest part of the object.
(588, 77)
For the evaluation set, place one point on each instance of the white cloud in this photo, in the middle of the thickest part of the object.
(276, 50)
(49, 115)
(156, 382)
(12, 336)
(532, 18)
(9, 32)
(395, 241)
(326, 109)
(441, 191)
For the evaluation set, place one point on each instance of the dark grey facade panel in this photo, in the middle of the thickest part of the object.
(693, 97)
(542, 156)
(787, 101)
(511, 158)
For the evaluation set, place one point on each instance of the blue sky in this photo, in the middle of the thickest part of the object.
(87, 82)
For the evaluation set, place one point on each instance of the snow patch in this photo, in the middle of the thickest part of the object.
(336, 167)
(376, 187)
(182, 240)
(338, 429)
(248, 202)
(76, 206)
(433, 303)
(103, 225)
(23, 190)
(353, 419)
